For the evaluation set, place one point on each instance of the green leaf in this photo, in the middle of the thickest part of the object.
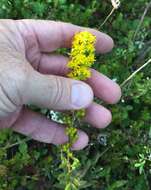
(23, 148)
(117, 184)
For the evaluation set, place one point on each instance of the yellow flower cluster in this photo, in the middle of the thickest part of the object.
(82, 55)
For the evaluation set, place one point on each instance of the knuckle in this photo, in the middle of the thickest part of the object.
(61, 93)
(58, 91)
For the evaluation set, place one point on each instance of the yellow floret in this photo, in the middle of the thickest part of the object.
(82, 55)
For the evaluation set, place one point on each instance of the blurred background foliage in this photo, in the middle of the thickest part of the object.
(120, 156)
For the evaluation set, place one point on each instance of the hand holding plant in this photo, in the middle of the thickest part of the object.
(29, 75)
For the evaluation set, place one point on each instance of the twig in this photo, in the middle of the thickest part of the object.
(17, 143)
(106, 19)
(143, 52)
(102, 153)
(133, 74)
(142, 19)
(115, 4)
(98, 156)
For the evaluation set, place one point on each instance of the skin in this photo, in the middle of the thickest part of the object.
(31, 73)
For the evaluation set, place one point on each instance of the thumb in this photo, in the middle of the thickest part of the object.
(56, 92)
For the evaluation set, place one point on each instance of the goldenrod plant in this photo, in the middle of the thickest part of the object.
(82, 57)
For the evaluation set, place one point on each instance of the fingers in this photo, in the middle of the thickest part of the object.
(103, 87)
(41, 129)
(55, 64)
(98, 116)
(50, 35)
(55, 92)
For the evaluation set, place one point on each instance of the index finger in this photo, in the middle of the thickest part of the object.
(51, 35)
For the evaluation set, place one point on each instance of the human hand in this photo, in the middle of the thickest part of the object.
(29, 75)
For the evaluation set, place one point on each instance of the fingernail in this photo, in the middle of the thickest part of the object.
(81, 95)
